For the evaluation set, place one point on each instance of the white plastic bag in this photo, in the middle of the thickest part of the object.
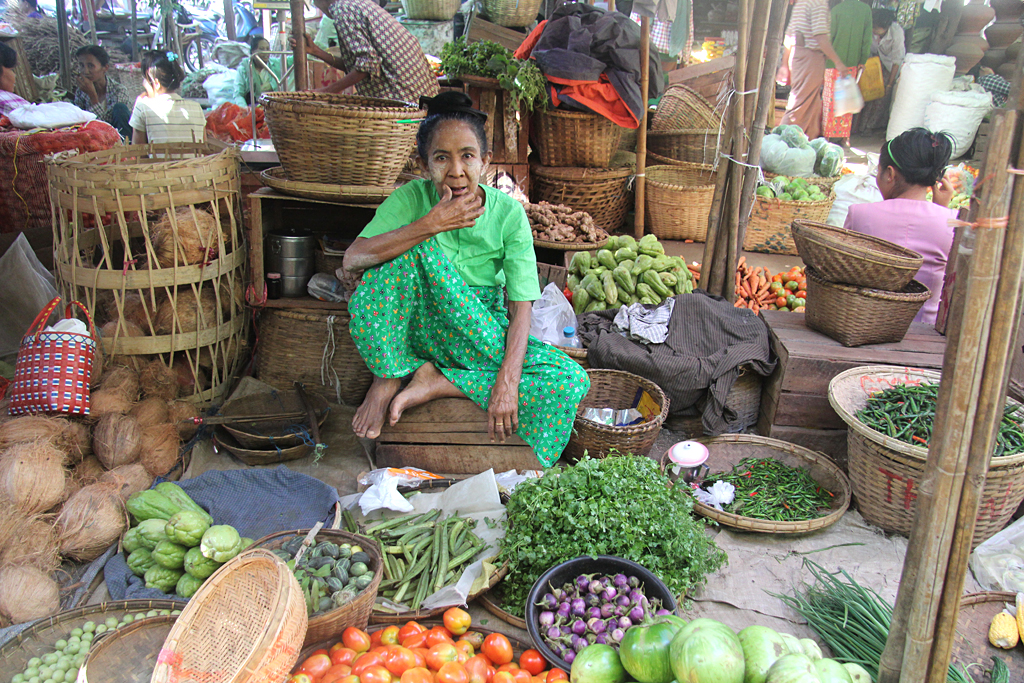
(854, 188)
(50, 115)
(998, 563)
(959, 114)
(220, 87)
(920, 76)
(779, 157)
(25, 289)
(848, 98)
(552, 312)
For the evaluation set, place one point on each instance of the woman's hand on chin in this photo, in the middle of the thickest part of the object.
(455, 213)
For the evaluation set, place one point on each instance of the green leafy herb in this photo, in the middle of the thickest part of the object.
(621, 505)
(521, 78)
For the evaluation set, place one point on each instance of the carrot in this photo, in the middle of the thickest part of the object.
(752, 282)
(743, 259)
(738, 304)
(755, 307)
(694, 266)
(743, 291)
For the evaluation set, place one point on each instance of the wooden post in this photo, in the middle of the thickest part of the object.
(135, 30)
(299, 51)
(727, 258)
(641, 134)
(64, 46)
(229, 19)
(709, 281)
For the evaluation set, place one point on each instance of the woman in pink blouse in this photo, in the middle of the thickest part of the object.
(909, 166)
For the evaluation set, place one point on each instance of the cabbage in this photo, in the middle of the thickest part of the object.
(795, 137)
(830, 160)
(778, 157)
(817, 143)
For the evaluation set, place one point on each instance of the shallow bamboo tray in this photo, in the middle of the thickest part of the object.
(852, 258)
(129, 654)
(570, 246)
(727, 450)
(265, 434)
(252, 456)
(489, 602)
(355, 194)
(970, 641)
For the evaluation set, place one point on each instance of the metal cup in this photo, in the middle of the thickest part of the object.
(695, 473)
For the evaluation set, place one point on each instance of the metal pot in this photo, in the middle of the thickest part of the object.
(291, 252)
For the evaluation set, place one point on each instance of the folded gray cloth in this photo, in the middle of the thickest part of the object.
(643, 324)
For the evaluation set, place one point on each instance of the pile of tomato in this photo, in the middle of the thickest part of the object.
(790, 290)
(414, 653)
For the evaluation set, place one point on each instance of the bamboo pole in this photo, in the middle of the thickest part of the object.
(229, 19)
(709, 282)
(756, 55)
(300, 68)
(639, 212)
(725, 259)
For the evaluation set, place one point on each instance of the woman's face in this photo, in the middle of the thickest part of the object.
(7, 79)
(455, 159)
(91, 68)
(261, 49)
(879, 31)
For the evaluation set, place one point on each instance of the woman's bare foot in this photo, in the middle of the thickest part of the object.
(370, 415)
(427, 384)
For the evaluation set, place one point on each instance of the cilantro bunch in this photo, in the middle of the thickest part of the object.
(621, 505)
(521, 78)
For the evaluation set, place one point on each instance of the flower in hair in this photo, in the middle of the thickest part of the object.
(172, 56)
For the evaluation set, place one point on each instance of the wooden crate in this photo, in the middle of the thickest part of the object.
(794, 399)
(24, 84)
(480, 29)
(449, 437)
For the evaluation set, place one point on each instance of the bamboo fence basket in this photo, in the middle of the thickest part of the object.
(245, 623)
(169, 256)
(970, 641)
(728, 450)
(129, 654)
(768, 230)
(341, 139)
(575, 138)
(853, 258)
(512, 13)
(315, 348)
(885, 472)
(679, 200)
(615, 389)
(430, 10)
(605, 193)
(695, 145)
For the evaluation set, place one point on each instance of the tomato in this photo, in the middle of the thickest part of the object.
(799, 309)
(355, 639)
(775, 278)
(474, 638)
(421, 656)
(399, 659)
(315, 665)
(375, 638)
(417, 674)
(300, 678)
(503, 677)
(366, 660)
(336, 673)
(321, 651)
(465, 647)
(522, 676)
(540, 678)
(511, 667)
(349, 679)
(438, 634)
(342, 655)
(415, 640)
(374, 674)
(497, 648)
(477, 667)
(792, 285)
(556, 674)
(452, 672)
(780, 302)
(410, 628)
(389, 636)
(441, 654)
(457, 621)
(532, 661)
(801, 294)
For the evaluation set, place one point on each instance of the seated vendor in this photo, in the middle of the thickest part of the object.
(909, 166)
(9, 100)
(97, 93)
(434, 262)
(265, 73)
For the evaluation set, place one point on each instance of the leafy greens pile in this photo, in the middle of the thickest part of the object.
(621, 505)
(521, 78)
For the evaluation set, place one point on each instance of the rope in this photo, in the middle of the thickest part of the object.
(303, 433)
(327, 361)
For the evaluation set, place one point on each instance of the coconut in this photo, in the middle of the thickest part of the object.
(91, 521)
(124, 381)
(151, 411)
(158, 382)
(31, 428)
(160, 445)
(136, 311)
(184, 314)
(189, 380)
(72, 485)
(78, 438)
(106, 402)
(27, 538)
(182, 413)
(232, 296)
(32, 476)
(129, 479)
(27, 593)
(121, 327)
(196, 241)
(117, 440)
(89, 470)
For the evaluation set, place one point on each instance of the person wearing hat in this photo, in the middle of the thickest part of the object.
(433, 267)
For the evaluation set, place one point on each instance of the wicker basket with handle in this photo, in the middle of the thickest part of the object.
(853, 258)
(617, 390)
(769, 231)
(575, 138)
(341, 139)
(683, 107)
(679, 200)
(696, 145)
(605, 193)
(885, 472)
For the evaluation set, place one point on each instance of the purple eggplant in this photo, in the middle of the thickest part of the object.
(554, 633)
(546, 619)
(563, 611)
(625, 623)
(592, 600)
(590, 638)
(582, 582)
(609, 594)
(637, 614)
(622, 601)
(579, 627)
(634, 582)
(595, 587)
(558, 593)
(607, 610)
(594, 613)
(579, 642)
(566, 630)
(620, 611)
(569, 656)
(596, 625)
(601, 639)
(549, 602)
(579, 608)
(617, 635)
(620, 580)
(636, 597)
(661, 612)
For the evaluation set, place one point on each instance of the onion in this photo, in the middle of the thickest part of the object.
(117, 440)
(27, 593)
(91, 521)
(32, 476)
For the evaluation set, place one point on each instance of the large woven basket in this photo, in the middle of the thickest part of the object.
(341, 139)
(886, 473)
(696, 145)
(970, 640)
(855, 316)
(728, 450)
(769, 227)
(512, 13)
(355, 613)
(128, 654)
(615, 389)
(683, 107)
(744, 399)
(853, 258)
(575, 138)
(245, 623)
(313, 347)
(679, 201)
(430, 10)
(605, 193)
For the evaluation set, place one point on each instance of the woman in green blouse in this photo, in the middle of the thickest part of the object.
(433, 264)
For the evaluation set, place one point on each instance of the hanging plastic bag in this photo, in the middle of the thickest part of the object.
(872, 84)
(552, 313)
(25, 289)
(848, 99)
(998, 563)
(854, 188)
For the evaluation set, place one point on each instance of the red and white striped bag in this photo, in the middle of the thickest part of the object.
(53, 368)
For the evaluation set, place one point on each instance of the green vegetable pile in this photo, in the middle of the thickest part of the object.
(626, 272)
(907, 413)
(330, 575)
(485, 58)
(787, 151)
(621, 505)
(62, 663)
(791, 190)
(769, 489)
(192, 86)
(174, 545)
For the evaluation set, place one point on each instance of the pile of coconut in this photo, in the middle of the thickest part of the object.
(63, 481)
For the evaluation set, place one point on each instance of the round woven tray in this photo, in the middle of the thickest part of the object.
(696, 145)
(356, 194)
(614, 389)
(605, 193)
(970, 642)
(679, 198)
(727, 450)
(885, 472)
(268, 434)
(489, 601)
(855, 316)
(129, 654)
(570, 246)
(853, 258)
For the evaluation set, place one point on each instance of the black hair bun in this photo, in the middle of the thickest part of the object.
(451, 102)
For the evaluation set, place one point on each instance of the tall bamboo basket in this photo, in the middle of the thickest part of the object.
(149, 238)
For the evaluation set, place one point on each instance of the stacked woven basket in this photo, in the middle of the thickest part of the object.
(579, 166)
(860, 289)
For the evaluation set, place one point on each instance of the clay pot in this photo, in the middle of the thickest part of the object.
(1008, 9)
(1007, 70)
(994, 57)
(967, 53)
(974, 18)
(1012, 51)
(1002, 33)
